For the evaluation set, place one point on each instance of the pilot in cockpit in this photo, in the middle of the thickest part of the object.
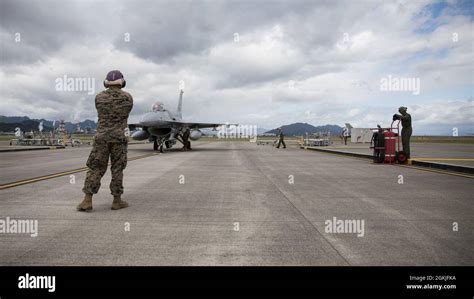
(158, 106)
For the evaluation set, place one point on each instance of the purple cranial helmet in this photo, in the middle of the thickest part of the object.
(114, 77)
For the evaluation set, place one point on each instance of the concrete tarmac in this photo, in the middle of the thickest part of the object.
(236, 203)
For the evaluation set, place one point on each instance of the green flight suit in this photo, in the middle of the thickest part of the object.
(406, 132)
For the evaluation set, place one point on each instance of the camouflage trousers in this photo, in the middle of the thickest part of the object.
(406, 134)
(97, 163)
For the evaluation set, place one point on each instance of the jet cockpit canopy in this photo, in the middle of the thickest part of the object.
(158, 106)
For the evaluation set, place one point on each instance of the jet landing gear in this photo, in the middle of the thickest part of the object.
(160, 143)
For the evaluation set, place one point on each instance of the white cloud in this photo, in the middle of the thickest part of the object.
(335, 80)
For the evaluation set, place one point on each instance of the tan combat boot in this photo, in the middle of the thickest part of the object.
(118, 203)
(86, 204)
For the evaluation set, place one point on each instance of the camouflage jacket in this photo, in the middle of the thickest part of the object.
(406, 121)
(113, 107)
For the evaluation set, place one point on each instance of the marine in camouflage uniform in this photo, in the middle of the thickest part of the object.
(281, 139)
(407, 130)
(113, 107)
(186, 142)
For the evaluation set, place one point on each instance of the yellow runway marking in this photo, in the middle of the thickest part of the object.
(437, 171)
(41, 178)
(55, 175)
(443, 159)
(343, 147)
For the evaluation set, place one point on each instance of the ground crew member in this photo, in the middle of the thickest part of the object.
(113, 108)
(281, 138)
(186, 142)
(379, 142)
(405, 118)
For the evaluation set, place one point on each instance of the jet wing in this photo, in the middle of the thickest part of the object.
(179, 124)
(195, 125)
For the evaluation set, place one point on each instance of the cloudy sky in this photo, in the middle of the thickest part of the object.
(265, 63)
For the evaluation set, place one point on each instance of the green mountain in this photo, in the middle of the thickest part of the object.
(9, 123)
(13, 119)
(299, 129)
(26, 126)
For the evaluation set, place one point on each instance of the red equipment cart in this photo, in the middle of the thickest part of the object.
(386, 145)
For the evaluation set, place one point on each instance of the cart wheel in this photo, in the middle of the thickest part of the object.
(401, 157)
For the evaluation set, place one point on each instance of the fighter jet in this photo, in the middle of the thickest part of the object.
(164, 128)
